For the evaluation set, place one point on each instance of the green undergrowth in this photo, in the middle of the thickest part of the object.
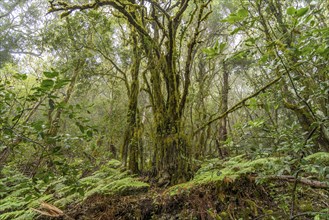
(216, 171)
(18, 193)
(219, 171)
(319, 158)
(238, 188)
(232, 180)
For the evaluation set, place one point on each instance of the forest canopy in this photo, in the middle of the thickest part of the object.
(109, 97)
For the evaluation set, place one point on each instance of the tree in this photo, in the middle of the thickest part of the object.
(286, 37)
(15, 38)
(169, 82)
(275, 36)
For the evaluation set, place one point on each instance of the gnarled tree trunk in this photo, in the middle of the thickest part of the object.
(130, 148)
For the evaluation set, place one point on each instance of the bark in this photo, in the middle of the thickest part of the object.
(130, 148)
(307, 122)
(302, 180)
(54, 121)
(203, 83)
(172, 156)
(222, 134)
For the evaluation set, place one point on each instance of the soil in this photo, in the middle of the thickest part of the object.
(232, 200)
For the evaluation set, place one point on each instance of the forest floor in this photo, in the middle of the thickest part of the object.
(241, 187)
(230, 190)
(242, 199)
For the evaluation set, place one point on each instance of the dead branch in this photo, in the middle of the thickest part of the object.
(302, 180)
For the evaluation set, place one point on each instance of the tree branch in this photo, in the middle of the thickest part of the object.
(239, 104)
(190, 56)
(67, 9)
(302, 180)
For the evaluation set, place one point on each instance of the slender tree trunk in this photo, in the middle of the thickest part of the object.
(130, 148)
(222, 134)
(54, 121)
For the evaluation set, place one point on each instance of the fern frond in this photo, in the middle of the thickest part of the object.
(11, 203)
(16, 215)
(74, 198)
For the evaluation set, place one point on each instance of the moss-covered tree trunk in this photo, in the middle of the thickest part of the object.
(170, 148)
(222, 131)
(130, 148)
(168, 93)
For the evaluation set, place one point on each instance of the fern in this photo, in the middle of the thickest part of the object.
(19, 193)
(26, 215)
(12, 204)
(20, 214)
(63, 202)
(216, 170)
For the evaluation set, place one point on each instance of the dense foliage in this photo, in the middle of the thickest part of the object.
(115, 97)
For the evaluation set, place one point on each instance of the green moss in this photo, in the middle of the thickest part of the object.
(306, 206)
(319, 158)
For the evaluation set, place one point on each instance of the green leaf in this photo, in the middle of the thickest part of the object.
(253, 103)
(16, 118)
(38, 125)
(301, 12)
(56, 149)
(47, 84)
(210, 52)
(61, 83)
(222, 46)
(90, 133)
(250, 41)
(50, 74)
(234, 18)
(82, 129)
(81, 191)
(242, 13)
(312, 23)
(239, 55)
(264, 58)
(236, 30)
(20, 76)
(291, 11)
(216, 45)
